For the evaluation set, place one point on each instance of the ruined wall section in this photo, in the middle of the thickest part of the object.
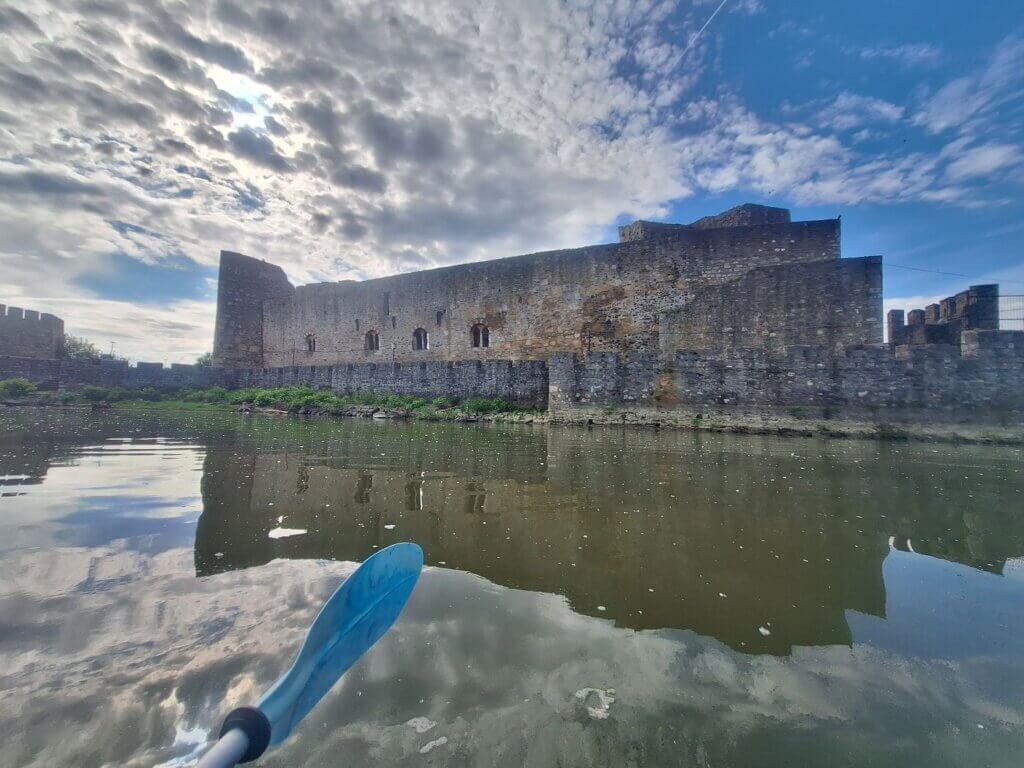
(243, 286)
(27, 333)
(599, 298)
(75, 374)
(975, 309)
(746, 215)
(836, 303)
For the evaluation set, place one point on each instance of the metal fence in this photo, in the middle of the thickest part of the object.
(1011, 313)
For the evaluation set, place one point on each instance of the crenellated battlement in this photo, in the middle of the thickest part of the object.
(30, 315)
(975, 309)
(29, 333)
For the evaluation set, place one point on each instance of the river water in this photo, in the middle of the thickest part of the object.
(606, 597)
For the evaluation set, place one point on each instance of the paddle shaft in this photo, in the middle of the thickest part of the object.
(227, 751)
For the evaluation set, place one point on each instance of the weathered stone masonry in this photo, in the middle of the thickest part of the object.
(741, 311)
(980, 378)
(599, 298)
(27, 333)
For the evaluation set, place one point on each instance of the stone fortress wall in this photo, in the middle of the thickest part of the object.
(979, 378)
(746, 310)
(28, 333)
(600, 298)
(977, 308)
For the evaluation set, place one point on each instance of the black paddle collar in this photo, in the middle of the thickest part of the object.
(255, 725)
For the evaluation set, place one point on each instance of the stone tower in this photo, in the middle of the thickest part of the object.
(242, 288)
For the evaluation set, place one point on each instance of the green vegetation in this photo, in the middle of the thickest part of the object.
(486, 405)
(16, 388)
(205, 360)
(77, 348)
(302, 399)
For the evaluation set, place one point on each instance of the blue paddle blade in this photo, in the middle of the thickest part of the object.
(356, 616)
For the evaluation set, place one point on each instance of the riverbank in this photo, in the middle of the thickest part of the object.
(794, 424)
(305, 402)
(299, 401)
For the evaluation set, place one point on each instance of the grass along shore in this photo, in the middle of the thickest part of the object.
(301, 400)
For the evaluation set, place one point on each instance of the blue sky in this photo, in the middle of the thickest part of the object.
(358, 139)
(895, 52)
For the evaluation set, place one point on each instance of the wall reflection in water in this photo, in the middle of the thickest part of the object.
(764, 544)
(777, 548)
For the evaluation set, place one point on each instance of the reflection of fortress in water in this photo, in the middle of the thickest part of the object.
(722, 544)
(719, 535)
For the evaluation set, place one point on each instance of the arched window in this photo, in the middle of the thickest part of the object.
(481, 335)
(310, 343)
(420, 339)
(371, 342)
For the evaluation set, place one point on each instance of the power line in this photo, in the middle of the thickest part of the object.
(949, 274)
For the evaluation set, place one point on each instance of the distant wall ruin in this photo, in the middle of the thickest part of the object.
(976, 309)
(27, 333)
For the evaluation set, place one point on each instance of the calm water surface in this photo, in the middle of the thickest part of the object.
(605, 597)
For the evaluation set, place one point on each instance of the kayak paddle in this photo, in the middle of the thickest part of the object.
(355, 617)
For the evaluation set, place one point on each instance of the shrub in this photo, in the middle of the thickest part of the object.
(442, 402)
(16, 387)
(264, 399)
(486, 405)
(242, 396)
(77, 348)
(95, 394)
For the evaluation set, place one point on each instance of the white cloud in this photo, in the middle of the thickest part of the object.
(851, 110)
(386, 138)
(976, 95)
(983, 160)
(908, 54)
(174, 332)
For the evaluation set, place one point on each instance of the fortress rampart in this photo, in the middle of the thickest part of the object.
(976, 309)
(28, 333)
(746, 310)
(980, 378)
(598, 298)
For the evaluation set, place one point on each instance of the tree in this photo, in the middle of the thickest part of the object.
(205, 360)
(77, 348)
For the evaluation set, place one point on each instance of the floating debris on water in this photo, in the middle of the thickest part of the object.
(280, 533)
(598, 701)
(421, 724)
(439, 742)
